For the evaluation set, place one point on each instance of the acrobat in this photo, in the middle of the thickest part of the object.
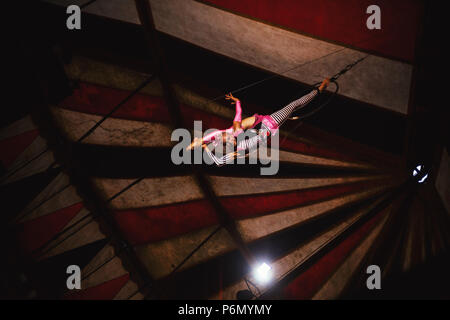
(262, 125)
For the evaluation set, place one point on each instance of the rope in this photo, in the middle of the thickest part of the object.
(347, 68)
(278, 74)
(84, 136)
(333, 80)
(141, 86)
(148, 80)
(320, 107)
(87, 4)
(89, 214)
(89, 131)
(247, 281)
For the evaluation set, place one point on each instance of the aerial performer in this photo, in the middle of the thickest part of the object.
(263, 125)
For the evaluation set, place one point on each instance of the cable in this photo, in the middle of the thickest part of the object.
(101, 265)
(88, 132)
(278, 74)
(87, 4)
(141, 86)
(249, 85)
(42, 202)
(312, 112)
(257, 289)
(237, 90)
(248, 287)
(247, 281)
(333, 79)
(180, 264)
(47, 148)
(149, 79)
(190, 254)
(25, 164)
(296, 67)
(85, 135)
(380, 202)
(88, 215)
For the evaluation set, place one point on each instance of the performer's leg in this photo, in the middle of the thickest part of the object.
(282, 115)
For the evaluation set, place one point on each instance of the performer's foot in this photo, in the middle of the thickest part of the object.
(324, 84)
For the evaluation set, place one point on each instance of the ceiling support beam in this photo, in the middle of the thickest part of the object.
(160, 66)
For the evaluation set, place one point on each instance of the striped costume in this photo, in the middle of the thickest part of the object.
(267, 125)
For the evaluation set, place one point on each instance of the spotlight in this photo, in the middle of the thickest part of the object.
(424, 178)
(420, 173)
(263, 273)
(417, 170)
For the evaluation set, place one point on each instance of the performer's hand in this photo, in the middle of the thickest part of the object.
(230, 97)
(324, 84)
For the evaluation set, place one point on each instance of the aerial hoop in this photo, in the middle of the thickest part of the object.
(333, 79)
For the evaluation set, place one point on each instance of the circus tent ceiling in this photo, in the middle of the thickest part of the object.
(280, 37)
(98, 189)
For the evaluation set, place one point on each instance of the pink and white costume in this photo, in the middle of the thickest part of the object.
(269, 125)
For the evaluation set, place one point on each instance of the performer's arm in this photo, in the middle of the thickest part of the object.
(238, 115)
